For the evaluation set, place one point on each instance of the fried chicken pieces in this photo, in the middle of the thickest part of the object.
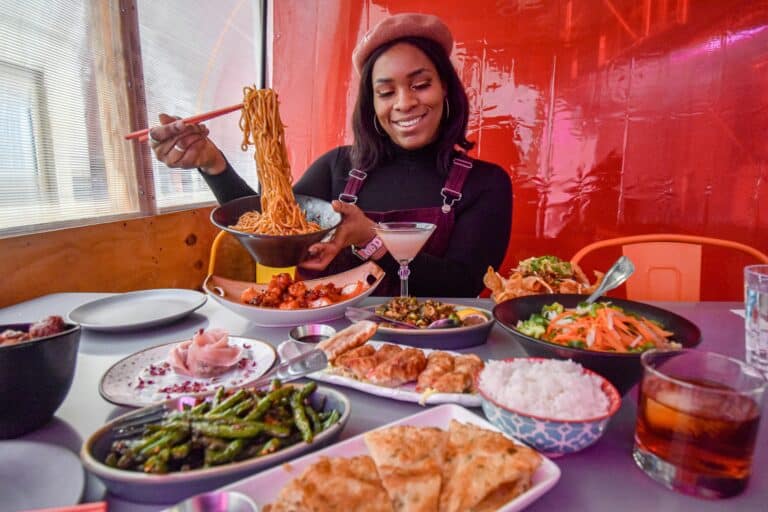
(417, 469)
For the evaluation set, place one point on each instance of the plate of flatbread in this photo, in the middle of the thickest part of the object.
(445, 458)
(400, 372)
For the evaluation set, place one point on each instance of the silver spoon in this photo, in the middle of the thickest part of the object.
(216, 501)
(616, 275)
(358, 314)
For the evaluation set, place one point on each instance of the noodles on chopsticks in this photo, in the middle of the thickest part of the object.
(262, 127)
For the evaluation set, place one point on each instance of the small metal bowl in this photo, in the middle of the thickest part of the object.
(311, 333)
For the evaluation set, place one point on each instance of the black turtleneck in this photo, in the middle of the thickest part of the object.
(411, 180)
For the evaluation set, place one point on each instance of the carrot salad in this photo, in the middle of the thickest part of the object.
(601, 326)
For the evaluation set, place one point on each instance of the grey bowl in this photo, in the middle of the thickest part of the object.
(277, 250)
(173, 487)
(35, 377)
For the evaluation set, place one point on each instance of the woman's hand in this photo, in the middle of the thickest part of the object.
(182, 146)
(355, 229)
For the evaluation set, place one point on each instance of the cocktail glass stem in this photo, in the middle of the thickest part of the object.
(404, 272)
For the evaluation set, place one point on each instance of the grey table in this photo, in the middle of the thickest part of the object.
(602, 477)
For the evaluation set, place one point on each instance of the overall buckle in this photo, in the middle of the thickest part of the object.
(347, 198)
(449, 198)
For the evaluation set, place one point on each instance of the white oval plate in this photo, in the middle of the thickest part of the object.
(120, 384)
(406, 392)
(39, 475)
(265, 487)
(137, 310)
(227, 293)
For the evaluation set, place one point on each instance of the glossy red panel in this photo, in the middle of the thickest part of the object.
(612, 117)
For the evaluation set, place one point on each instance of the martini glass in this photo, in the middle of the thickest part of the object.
(404, 240)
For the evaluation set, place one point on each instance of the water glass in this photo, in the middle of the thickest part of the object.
(756, 316)
(697, 421)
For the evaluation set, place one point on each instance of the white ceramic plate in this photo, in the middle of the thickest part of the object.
(137, 310)
(172, 487)
(120, 384)
(38, 475)
(406, 392)
(265, 487)
(227, 293)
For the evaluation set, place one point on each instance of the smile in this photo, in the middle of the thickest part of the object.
(408, 123)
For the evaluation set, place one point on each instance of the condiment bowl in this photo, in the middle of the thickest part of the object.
(35, 377)
(553, 437)
(311, 333)
(623, 370)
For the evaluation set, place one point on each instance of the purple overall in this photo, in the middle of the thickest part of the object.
(442, 216)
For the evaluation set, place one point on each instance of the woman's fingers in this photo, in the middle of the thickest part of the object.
(320, 255)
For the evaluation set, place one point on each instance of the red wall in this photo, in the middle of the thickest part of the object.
(612, 117)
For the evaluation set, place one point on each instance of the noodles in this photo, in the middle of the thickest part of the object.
(261, 125)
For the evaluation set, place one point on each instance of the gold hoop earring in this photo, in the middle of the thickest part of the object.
(447, 109)
(376, 126)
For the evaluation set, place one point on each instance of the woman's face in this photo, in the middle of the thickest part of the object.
(407, 96)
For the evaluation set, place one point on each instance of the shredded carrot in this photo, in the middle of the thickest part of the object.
(606, 328)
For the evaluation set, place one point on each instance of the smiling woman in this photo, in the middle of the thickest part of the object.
(408, 162)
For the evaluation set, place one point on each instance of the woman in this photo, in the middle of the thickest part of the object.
(410, 120)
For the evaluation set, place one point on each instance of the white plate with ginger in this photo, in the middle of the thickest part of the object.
(156, 374)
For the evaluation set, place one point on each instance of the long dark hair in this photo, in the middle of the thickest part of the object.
(370, 148)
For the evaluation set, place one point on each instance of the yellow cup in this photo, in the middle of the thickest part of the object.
(264, 273)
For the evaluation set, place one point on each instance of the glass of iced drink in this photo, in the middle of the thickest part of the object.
(756, 316)
(697, 420)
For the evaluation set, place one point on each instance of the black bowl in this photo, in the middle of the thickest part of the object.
(277, 250)
(35, 377)
(623, 370)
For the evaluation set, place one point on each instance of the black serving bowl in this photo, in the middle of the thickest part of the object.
(277, 250)
(35, 377)
(621, 369)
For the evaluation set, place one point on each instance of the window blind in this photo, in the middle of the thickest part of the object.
(65, 103)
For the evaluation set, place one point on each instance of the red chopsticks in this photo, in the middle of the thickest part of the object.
(143, 135)
(99, 506)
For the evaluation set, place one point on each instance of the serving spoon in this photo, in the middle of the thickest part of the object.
(358, 314)
(616, 275)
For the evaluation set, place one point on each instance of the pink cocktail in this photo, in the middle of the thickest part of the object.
(404, 240)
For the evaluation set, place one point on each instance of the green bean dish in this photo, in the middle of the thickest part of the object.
(231, 427)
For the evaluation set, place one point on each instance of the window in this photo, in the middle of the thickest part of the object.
(197, 56)
(67, 97)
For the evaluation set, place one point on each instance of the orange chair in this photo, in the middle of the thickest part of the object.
(667, 266)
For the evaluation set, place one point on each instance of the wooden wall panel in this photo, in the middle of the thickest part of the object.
(166, 251)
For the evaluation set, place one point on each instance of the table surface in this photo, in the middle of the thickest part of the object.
(601, 477)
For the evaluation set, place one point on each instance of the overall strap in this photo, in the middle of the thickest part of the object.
(354, 184)
(457, 175)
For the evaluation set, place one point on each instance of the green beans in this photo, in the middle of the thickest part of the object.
(228, 427)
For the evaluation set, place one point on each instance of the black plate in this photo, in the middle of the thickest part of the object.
(623, 370)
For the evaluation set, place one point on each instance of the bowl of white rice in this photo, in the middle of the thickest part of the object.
(555, 406)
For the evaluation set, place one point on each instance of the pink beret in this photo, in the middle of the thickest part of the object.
(402, 25)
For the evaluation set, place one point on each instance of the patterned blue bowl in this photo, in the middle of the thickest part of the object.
(551, 436)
